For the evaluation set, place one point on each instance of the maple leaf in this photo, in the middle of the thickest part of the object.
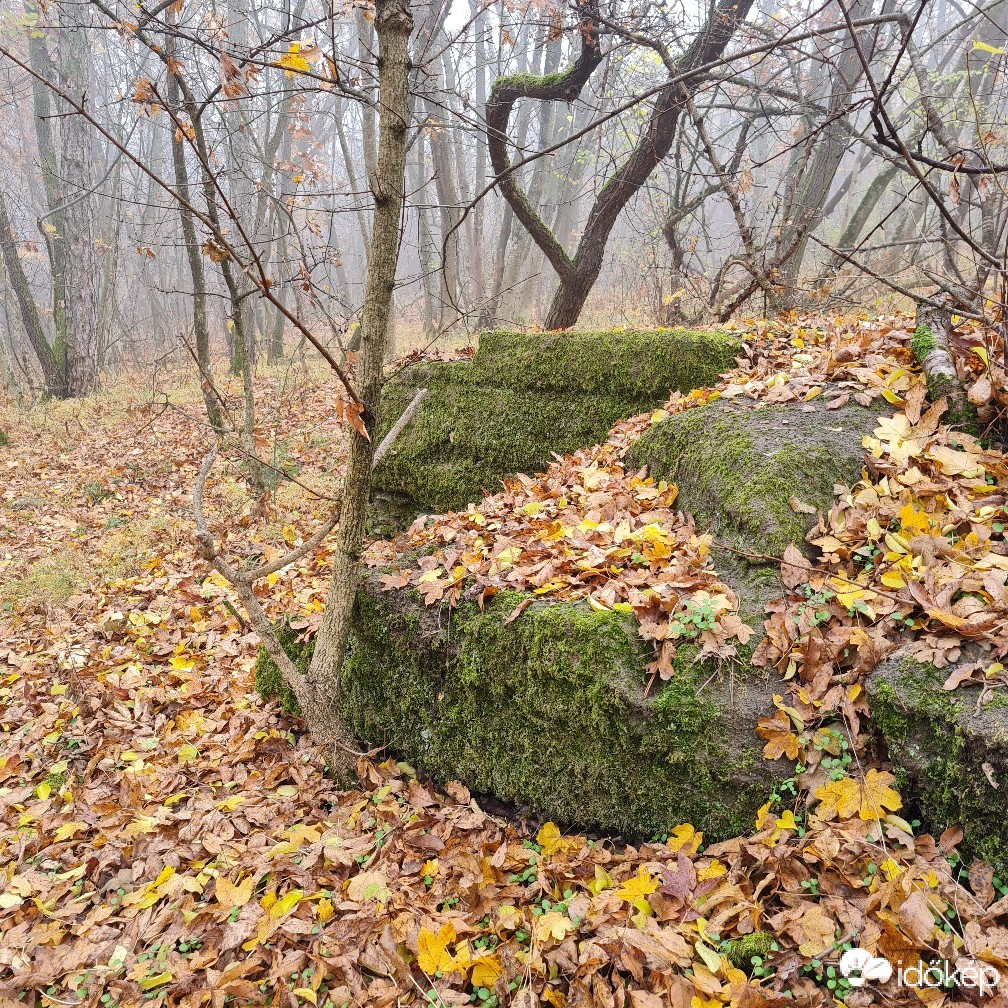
(781, 741)
(550, 839)
(292, 62)
(552, 924)
(638, 887)
(869, 798)
(231, 895)
(487, 969)
(433, 956)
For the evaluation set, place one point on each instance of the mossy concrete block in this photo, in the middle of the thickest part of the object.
(549, 712)
(636, 365)
(949, 752)
(745, 473)
(524, 397)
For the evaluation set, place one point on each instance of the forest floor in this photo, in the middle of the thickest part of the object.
(168, 838)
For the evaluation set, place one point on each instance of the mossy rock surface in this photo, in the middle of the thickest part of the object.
(750, 475)
(949, 752)
(549, 712)
(524, 397)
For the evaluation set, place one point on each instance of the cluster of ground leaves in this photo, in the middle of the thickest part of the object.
(169, 839)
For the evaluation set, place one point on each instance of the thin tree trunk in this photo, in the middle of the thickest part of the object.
(321, 705)
(193, 255)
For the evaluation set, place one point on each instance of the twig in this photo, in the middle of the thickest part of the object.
(390, 438)
(298, 681)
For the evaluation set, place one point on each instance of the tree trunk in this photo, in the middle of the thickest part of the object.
(76, 231)
(193, 254)
(31, 320)
(321, 708)
(931, 348)
(579, 272)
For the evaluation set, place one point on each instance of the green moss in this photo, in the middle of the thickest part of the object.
(740, 951)
(527, 85)
(635, 365)
(740, 469)
(961, 413)
(922, 343)
(549, 712)
(939, 745)
(996, 701)
(269, 682)
(525, 396)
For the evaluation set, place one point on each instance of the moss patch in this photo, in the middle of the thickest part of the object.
(525, 396)
(269, 682)
(549, 712)
(740, 470)
(951, 760)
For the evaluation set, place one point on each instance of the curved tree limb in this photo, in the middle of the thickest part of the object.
(578, 272)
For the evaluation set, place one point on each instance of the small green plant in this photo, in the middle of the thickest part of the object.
(95, 492)
(815, 600)
(697, 615)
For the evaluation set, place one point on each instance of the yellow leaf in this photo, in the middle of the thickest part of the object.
(158, 980)
(433, 956)
(67, 830)
(187, 753)
(549, 838)
(307, 994)
(602, 880)
(285, 904)
(893, 579)
(638, 887)
(994, 51)
(914, 522)
(487, 970)
(292, 61)
(715, 869)
(869, 798)
(230, 895)
(552, 924)
(684, 838)
(324, 910)
(711, 959)
(701, 1002)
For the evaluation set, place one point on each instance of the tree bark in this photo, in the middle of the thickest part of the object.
(321, 707)
(931, 348)
(31, 320)
(193, 255)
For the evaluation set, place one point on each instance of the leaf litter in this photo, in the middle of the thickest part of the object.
(169, 838)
